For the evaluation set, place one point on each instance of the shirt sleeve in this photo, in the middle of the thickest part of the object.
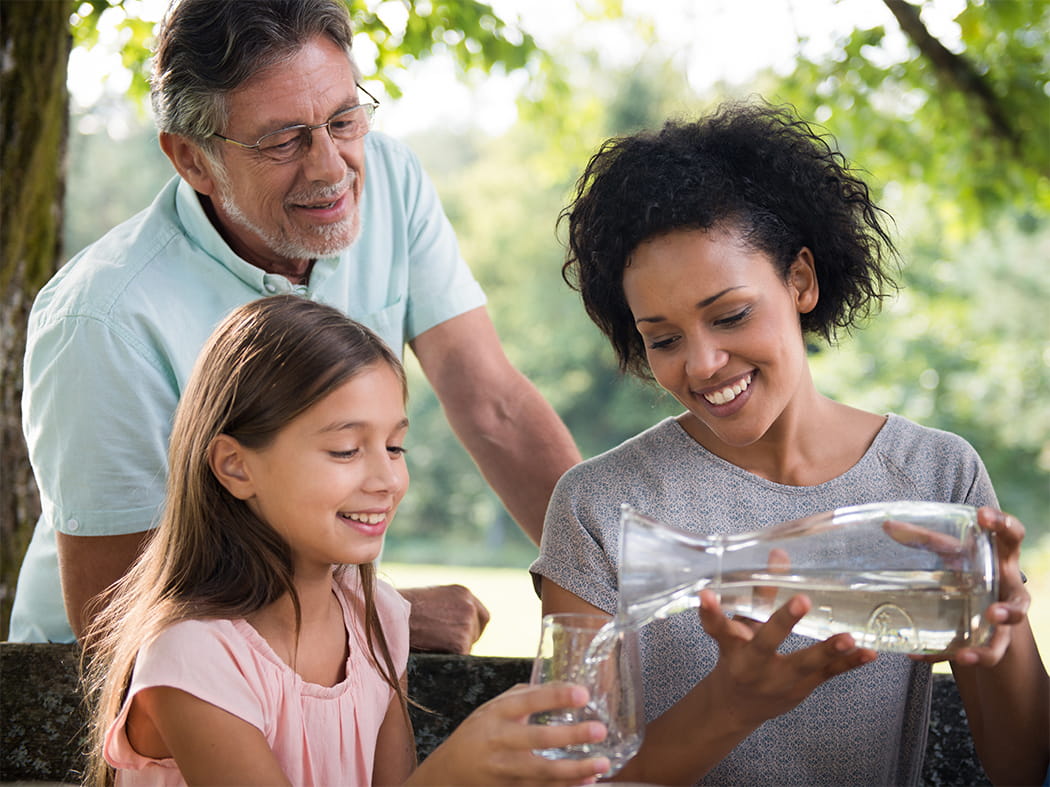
(575, 549)
(202, 658)
(97, 416)
(440, 283)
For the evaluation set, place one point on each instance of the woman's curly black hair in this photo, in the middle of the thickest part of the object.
(750, 167)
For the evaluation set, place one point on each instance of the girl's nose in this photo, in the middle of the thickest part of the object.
(386, 474)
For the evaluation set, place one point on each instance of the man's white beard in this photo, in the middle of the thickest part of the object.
(327, 240)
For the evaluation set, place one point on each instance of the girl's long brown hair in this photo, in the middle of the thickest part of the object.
(211, 557)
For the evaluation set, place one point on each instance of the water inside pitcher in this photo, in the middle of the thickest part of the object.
(905, 577)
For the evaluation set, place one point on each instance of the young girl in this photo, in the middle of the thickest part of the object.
(252, 644)
(707, 252)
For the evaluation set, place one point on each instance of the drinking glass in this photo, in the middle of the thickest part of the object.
(610, 671)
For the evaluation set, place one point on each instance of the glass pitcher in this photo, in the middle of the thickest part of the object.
(904, 577)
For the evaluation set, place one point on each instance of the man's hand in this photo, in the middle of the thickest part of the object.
(444, 619)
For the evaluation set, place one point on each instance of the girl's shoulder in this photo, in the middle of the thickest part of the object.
(184, 633)
(348, 581)
(185, 645)
(392, 608)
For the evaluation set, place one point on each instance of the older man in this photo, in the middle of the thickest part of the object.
(280, 188)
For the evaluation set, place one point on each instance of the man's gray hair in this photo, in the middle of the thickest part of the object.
(208, 48)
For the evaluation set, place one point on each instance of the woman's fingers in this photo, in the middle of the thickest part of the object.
(771, 634)
(831, 657)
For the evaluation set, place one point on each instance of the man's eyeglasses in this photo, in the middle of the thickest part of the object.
(291, 143)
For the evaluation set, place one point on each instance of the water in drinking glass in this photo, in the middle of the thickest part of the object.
(612, 677)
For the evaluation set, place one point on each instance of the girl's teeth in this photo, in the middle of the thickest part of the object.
(730, 393)
(368, 519)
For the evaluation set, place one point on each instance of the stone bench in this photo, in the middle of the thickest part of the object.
(42, 716)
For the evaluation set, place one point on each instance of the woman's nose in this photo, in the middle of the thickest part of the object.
(705, 360)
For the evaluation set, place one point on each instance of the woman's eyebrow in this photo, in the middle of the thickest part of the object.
(702, 304)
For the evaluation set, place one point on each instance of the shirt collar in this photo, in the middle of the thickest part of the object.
(202, 232)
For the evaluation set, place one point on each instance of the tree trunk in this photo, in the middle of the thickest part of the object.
(34, 107)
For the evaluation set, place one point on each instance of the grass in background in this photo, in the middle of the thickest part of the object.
(515, 625)
(514, 629)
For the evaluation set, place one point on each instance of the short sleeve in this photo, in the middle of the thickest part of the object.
(408, 248)
(97, 417)
(441, 285)
(575, 549)
(204, 658)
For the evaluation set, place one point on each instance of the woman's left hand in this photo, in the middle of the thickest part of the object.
(1012, 607)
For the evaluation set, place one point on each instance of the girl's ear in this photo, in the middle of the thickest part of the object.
(226, 457)
(189, 161)
(802, 279)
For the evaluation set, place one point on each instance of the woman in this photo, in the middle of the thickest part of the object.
(709, 253)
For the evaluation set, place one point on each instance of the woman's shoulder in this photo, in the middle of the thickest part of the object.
(905, 437)
(931, 463)
(651, 446)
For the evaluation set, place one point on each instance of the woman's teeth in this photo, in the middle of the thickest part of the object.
(368, 519)
(729, 393)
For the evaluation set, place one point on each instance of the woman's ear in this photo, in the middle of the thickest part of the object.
(189, 160)
(226, 457)
(802, 279)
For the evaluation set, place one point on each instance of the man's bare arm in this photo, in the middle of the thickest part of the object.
(87, 565)
(517, 440)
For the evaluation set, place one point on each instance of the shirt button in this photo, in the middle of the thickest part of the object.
(270, 288)
(72, 526)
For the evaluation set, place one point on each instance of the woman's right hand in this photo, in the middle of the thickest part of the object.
(494, 744)
(755, 681)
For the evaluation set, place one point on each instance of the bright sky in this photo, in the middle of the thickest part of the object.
(716, 40)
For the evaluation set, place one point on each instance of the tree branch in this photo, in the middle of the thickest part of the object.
(952, 69)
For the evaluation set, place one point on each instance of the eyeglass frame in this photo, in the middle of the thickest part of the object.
(370, 107)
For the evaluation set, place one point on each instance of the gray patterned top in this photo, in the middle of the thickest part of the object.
(867, 726)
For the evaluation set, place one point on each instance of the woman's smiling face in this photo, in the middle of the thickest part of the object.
(721, 328)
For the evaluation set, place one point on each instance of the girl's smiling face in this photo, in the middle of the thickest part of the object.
(721, 328)
(331, 480)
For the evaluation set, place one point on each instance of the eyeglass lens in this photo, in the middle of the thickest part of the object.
(289, 142)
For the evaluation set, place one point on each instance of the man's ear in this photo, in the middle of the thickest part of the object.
(802, 279)
(226, 457)
(189, 161)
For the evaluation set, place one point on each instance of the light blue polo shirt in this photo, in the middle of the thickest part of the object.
(112, 339)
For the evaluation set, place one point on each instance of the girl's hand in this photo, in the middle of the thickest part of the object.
(753, 681)
(1012, 607)
(494, 744)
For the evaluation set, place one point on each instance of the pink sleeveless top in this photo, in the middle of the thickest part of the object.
(321, 735)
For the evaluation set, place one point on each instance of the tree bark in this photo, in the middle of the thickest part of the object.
(35, 42)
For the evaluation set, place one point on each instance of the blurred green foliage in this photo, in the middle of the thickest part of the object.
(911, 121)
(469, 31)
(964, 347)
